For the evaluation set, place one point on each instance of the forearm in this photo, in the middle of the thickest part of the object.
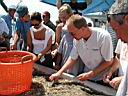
(57, 41)
(103, 66)
(29, 42)
(29, 48)
(115, 65)
(58, 33)
(67, 65)
(45, 50)
(49, 45)
(16, 37)
(58, 60)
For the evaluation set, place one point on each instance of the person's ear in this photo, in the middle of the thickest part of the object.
(82, 28)
(126, 19)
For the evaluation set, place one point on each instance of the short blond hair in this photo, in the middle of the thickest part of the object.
(66, 8)
(78, 21)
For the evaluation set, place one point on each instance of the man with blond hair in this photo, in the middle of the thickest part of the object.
(92, 45)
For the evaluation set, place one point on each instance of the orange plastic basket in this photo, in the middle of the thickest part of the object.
(15, 72)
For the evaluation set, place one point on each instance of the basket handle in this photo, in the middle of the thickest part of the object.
(27, 57)
(3, 48)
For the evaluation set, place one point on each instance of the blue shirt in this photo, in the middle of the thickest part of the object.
(3, 26)
(22, 28)
(10, 23)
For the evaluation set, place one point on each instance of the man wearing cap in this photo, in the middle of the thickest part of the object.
(47, 22)
(10, 20)
(119, 22)
(22, 27)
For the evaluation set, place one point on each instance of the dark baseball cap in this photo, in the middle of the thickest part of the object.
(22, 10)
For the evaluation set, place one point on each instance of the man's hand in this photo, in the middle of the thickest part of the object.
(13, 47)
(53, 53)
(55, 76)
(115, 82)
(107, 76)
(85, 76)
(39, 56)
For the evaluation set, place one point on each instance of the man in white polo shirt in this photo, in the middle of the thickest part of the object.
(93, 45)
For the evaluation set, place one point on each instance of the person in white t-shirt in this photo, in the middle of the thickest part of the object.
(119, 22)
(92, 45)
(40, 40)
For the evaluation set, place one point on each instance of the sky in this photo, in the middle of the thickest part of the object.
(34, 6)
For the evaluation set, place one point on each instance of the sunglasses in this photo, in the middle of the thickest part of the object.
(35, 24)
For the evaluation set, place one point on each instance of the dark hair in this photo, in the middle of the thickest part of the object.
(46, 13)
(90, 24)
(118, 18)
(36, 16)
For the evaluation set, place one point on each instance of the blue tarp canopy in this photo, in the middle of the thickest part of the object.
(98, 6)
(53, 2)
(94, 6)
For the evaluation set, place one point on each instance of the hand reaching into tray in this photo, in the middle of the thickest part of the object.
(85, 76)
(55, 76)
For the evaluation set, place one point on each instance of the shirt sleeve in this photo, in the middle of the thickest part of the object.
(5, 27)
(60, 48)
(118, 47)
(74, 53)
(107, 48)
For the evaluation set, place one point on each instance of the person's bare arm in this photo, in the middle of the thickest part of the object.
(58, 34)
(29, 42)
(58, 61)
(15, 40)
(112, 69)
(47, 48)
(87, 75)
(67, 65)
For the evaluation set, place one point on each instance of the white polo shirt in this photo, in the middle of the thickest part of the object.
(95, 50)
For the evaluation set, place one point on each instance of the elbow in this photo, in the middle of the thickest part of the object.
(49, 47)
(110, 62)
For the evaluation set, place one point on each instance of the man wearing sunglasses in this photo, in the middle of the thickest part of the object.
(92, 45)
(22, 27)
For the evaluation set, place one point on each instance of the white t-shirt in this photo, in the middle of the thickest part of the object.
(40, 45)
(95, 50)
(122, 49)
